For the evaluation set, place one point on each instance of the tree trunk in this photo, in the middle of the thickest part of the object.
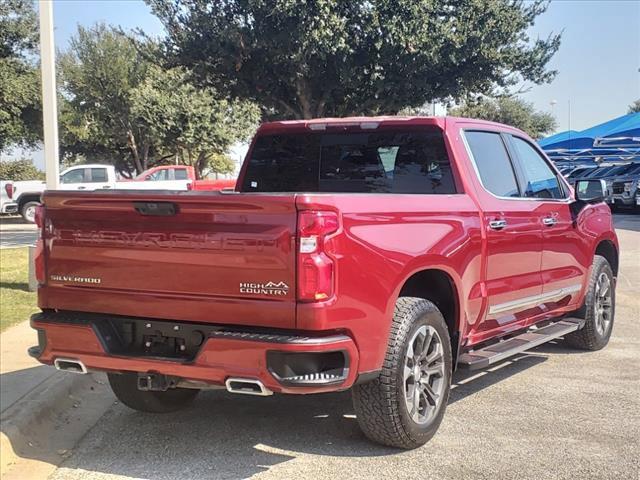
(304, 98)
(201, 163)
(131, 141)
(145, 156)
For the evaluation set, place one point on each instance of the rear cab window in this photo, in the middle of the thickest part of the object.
(387, 160)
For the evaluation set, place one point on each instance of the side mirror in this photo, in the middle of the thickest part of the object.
(591, 190)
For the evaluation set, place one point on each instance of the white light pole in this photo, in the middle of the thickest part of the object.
(49, 100)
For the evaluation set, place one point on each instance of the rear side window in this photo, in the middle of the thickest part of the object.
(98, 175)
(385, 161)
(181, 174)
(491, 159)
(539, 177)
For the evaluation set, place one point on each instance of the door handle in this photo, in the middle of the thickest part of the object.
(82, 188)
(549, 221)
(497, 224)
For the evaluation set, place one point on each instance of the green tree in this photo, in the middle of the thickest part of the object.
(303, 59)
(634, 107)
(510, 111)
(99, 73)
(192, 123)
(21, 169)
(120, 107)
(20, 106)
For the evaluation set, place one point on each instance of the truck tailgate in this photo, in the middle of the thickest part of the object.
(219, 258)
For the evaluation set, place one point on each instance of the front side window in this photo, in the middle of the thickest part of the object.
(539, 178)
(74, 176)
(491, 159)
(158, 175)
(384, 161)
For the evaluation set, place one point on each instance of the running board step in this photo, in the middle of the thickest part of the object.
(496, 352)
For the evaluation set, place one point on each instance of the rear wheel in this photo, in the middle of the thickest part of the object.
(28, 211)
(125, 387)
(404, 406)
(598, 309)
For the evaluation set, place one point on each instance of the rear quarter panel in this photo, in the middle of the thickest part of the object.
(383, 240)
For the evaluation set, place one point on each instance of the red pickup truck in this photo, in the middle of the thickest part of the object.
(372, 254)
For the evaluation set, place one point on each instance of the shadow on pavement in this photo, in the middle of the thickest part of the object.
(234, 436)
(16, 384)
(15, 286)
(13, 220)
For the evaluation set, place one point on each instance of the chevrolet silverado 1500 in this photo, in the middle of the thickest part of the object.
(372, 254)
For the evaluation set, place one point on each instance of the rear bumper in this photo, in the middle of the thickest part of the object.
(9, 208)
(224, 353)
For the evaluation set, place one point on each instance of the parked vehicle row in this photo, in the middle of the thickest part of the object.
(372, 254)
(24, 196)
(622, 180)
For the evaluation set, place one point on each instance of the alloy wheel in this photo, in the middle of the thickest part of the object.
(602, 304)
(424, 377)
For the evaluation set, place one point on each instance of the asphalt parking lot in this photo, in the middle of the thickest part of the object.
(553, 413)
(14, 232)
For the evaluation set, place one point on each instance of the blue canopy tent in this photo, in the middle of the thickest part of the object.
(627, 134)
(615, 140)
(557, 139)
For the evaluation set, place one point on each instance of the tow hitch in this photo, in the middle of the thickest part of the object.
(155, 382)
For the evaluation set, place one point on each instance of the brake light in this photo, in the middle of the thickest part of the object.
(9, 189)
(39, 218)
(315, 267)
(39, 260)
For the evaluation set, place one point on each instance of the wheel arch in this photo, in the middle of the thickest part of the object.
(26, 198)
(608, 250)
(439, 287)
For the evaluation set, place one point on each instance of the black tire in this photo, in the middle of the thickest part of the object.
(591, 337)
(380, 405)
(26, 210)
(125, 387)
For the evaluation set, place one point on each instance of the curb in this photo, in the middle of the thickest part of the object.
(40, 430)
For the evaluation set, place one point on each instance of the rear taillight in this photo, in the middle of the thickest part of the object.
(39, 218)
(39, 258)
(315, 267)
(189, 186)
(9, 189)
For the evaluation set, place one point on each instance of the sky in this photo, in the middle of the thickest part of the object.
(598, 61)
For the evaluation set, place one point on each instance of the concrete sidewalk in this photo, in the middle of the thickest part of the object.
(19, 373)
(44, 412)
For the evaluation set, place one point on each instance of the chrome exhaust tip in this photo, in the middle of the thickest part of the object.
(247, 386)
(70, 365)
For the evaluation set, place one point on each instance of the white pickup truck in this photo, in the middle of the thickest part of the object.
(26, 194)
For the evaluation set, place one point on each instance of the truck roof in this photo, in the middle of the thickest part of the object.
(371, 122)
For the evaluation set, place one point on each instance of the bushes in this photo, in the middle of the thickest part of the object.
(22, 169)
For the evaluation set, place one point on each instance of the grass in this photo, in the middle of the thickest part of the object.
(17, 303)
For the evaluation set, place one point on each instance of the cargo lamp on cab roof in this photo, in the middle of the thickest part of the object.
(362, 125)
